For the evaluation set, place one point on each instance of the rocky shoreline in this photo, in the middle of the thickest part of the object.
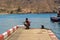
(32, 13)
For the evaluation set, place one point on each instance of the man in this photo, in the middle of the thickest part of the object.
(27, 23)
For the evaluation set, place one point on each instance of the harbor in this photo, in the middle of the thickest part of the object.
(31, 34)
(8, 21)
(29, 19)
(28, 34)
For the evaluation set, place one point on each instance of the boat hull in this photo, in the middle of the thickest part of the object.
(55, 19)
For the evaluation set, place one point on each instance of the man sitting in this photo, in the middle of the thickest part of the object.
(27, 23)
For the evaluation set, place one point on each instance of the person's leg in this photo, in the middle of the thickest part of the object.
(27, 27)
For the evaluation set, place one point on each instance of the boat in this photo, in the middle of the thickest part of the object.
(56, 19)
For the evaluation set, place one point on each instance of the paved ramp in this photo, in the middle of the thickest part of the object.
(30, 34)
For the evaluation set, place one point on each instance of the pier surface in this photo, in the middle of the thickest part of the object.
(30, 34)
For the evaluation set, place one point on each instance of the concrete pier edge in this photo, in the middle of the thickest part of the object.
(11, 31)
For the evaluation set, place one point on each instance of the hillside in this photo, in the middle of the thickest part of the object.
(25, 6)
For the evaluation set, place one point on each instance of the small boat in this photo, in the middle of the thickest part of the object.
(55, 19)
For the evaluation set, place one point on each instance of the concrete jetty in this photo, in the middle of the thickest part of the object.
(31, 34)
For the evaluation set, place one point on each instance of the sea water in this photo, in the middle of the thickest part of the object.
(8, 21)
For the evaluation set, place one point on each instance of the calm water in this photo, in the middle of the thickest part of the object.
(7, 21)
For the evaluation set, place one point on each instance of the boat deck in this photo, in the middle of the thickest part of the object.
(30, 34)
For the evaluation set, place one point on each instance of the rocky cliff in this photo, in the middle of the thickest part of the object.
(25, 6)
